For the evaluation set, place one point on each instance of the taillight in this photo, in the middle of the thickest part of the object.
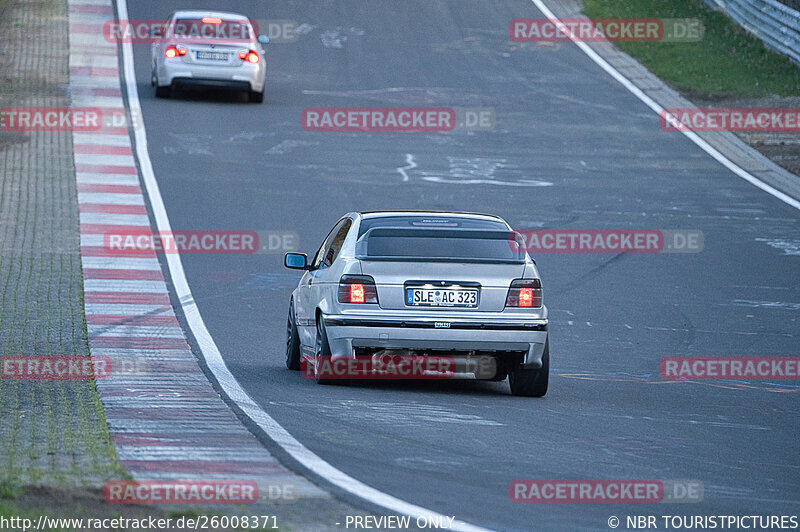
(211, 20)
(525, 293)
(250, 57)
(174, 51)
(357, 294)
(357, 289)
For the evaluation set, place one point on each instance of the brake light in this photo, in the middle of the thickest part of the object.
(211, 20)
(356, 293)
(250, 57)
(174, 51)
(357, 289)
(526, 297)
(526, 293)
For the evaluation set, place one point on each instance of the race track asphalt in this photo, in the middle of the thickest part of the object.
(571, 148)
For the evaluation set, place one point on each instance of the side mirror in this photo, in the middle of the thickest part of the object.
(263, 39)
(296, 261)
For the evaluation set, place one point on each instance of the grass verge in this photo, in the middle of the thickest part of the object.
(727, 62)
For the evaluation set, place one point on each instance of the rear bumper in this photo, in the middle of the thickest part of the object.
(213, 83)
(245, 77)
(347, 332)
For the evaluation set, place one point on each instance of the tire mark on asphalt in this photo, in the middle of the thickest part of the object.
(410, 165)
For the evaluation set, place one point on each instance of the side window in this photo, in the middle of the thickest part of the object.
(324, 249)
(336, 244)
(165, 31)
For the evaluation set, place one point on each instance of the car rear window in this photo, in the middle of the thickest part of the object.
(440, 244)
(410, 222)
(223, 30)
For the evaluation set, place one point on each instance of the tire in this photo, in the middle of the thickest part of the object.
(255, 97)
(292, 341)
(321, 350)
(532, 382)
(163, 92)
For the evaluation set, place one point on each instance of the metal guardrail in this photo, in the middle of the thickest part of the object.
(776, 24)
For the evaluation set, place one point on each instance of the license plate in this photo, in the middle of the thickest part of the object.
(213, 56)
(441, 297)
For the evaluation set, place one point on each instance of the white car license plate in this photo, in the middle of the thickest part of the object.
(213, 56)
(441, 297)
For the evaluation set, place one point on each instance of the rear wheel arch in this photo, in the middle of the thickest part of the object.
(293, 343)
(319, 317)
(321, 347)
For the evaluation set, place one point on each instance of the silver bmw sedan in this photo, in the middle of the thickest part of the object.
(208, 49)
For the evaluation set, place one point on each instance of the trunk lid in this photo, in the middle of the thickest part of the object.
(393, 278)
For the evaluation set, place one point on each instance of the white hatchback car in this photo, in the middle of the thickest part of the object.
(208, 49)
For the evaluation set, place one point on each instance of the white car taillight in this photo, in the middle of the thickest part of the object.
(357, 289)
(525, 293)
(173, 51)
(250, 57)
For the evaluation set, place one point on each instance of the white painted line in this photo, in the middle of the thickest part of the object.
(107, 61)
(116, 285)
(99, 240)
(110, 198)
(167, 452)
(118, 309)
(89, 18)
(96, 240)
(146, 399)
(147, 356)
(211, 353)
(81, 40)
(107, 179)
(694, 137)
(91, 2)
(89, 100)
(134, 331)
(104, 82)
(121, 263)
(300, 487)
(99, 138)
(90, 37)
(88, 158)
(116, 219)
(87, 49)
